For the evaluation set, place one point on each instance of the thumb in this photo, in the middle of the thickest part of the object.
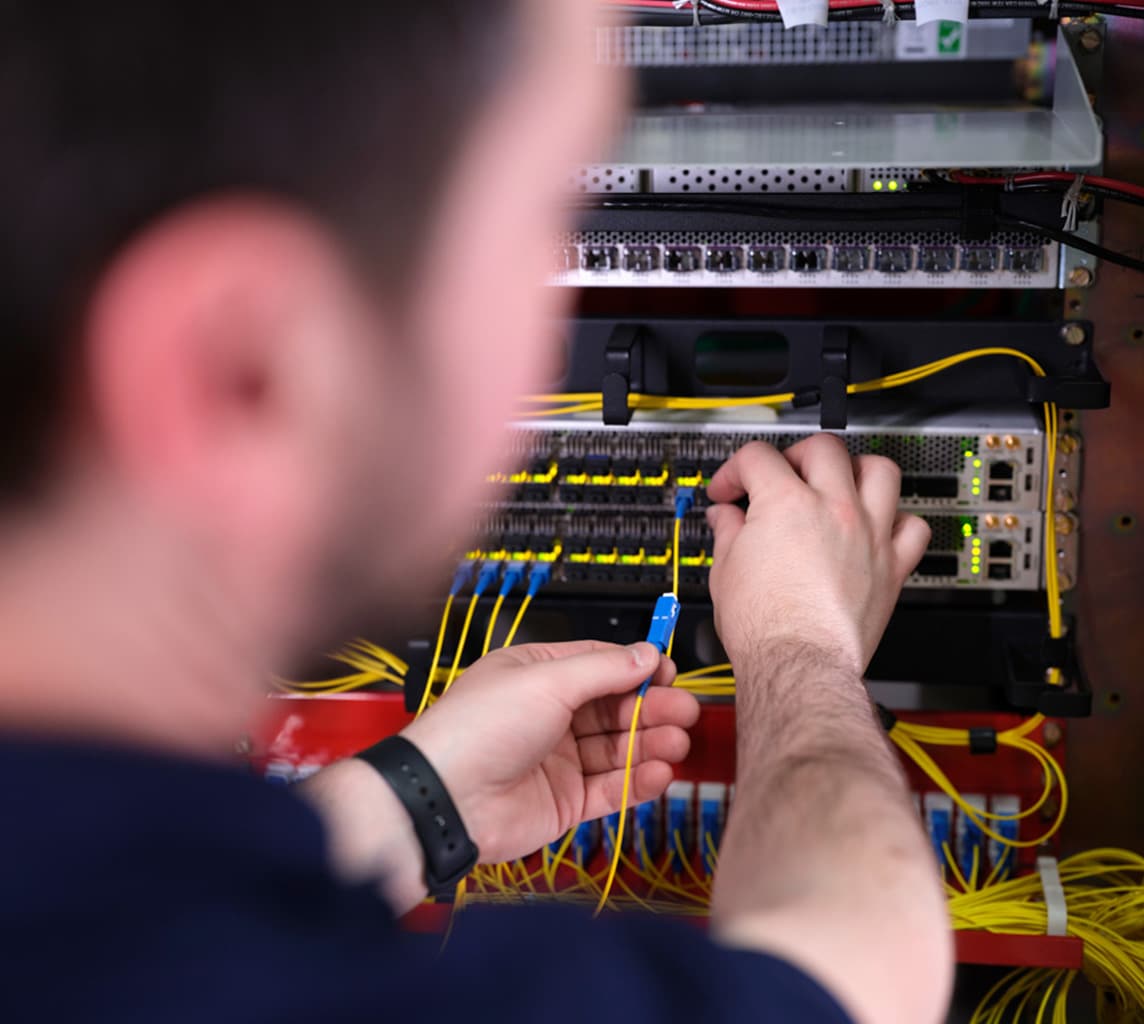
(609, 669)
(725, 521)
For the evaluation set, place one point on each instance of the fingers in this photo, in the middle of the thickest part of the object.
(607, 752)
(661, 706)
(725, 521)
(754, 470)
(597, 670)
(879, 483)
(824, 462)
(603, 792)
(910, 538)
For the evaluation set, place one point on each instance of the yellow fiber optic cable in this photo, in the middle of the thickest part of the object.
(492, 625)
(511, 636)
(436, 657)
(623, 804)
(455, 668)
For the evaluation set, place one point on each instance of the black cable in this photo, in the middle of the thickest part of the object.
(1076, 242)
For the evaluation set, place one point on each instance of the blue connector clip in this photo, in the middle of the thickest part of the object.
(513, 574)
(684, 501)
(663, 620)
(538, 576)
(487, 577)
(462, 577)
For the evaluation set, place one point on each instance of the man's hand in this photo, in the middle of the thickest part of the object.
(820, 555)
(531, 740)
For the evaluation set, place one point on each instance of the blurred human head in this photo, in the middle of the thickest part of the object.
(276, 276)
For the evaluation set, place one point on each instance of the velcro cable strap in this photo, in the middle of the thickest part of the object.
(983, 740)
(1057, 919)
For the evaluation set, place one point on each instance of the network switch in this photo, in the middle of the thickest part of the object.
(987, 460)
(631, 552)
(753, 259)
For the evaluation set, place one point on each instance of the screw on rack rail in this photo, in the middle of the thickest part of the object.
(1074, 334)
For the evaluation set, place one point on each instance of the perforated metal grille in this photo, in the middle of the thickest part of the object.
(593, 238)
(647, 46)
(688, 178)
(932, 453)
(604, 178)
(947, 531)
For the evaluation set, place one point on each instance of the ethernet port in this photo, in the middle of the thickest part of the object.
(1024, 261)
(1000, 571)
(937, 565)
(682, 259)
(1000, 492)
(1001, 471)
(1000, 549)
(724, 259)
(808, 259)
(767, 259)
(894, 259)
(600, 257)
(641, 259)
(977, 259)
(937, 259)
(851, 259)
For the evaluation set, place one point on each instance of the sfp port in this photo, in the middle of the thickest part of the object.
(808, 259)
(597, 495)
(724, 259)
(600, 574)
(1000, 492)
(539, 464)
(535, 492)
(937, 565)
(626, 574)
(894, 259)
(851, 259)
(571, 493)
(1000, 571)
(641, 259)
(682, 259)
(977, 259)
(937, 259)
(690, 549)
(649, 496)
(629, 546)
(1001, 471)
(687, 467)
(709, 467)
(693, 576)
(623, 495)
(624, 467)
(600, 257)
(577, 544)
(936, 487)
(1000, 549)
(597, 465)
(653, 574)
(515, 542)
(766, 259)
(650, 467)
(1024, 261)
(570, 466)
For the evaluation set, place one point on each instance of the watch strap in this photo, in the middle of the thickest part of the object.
(449, 852)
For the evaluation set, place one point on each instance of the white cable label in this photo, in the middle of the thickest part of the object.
(805, 12)
(1057, 911)
(941, 10)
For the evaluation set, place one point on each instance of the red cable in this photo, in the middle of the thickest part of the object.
(1049, 177)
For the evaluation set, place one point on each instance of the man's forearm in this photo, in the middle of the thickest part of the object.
(824, 859)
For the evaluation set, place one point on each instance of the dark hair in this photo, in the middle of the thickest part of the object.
(111, 115)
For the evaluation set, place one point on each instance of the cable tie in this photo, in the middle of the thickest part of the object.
(1070, 204)
(694, 5)
(889, 12)
(1057, 913)
(983, 740)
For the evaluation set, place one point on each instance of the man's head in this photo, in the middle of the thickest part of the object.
(273, 275)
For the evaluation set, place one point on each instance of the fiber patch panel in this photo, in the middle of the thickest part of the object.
(987, 460)
(632, 551)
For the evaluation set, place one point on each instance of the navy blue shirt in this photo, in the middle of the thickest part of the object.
(142, 888)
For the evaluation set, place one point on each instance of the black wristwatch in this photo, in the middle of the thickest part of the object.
(449, 852)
